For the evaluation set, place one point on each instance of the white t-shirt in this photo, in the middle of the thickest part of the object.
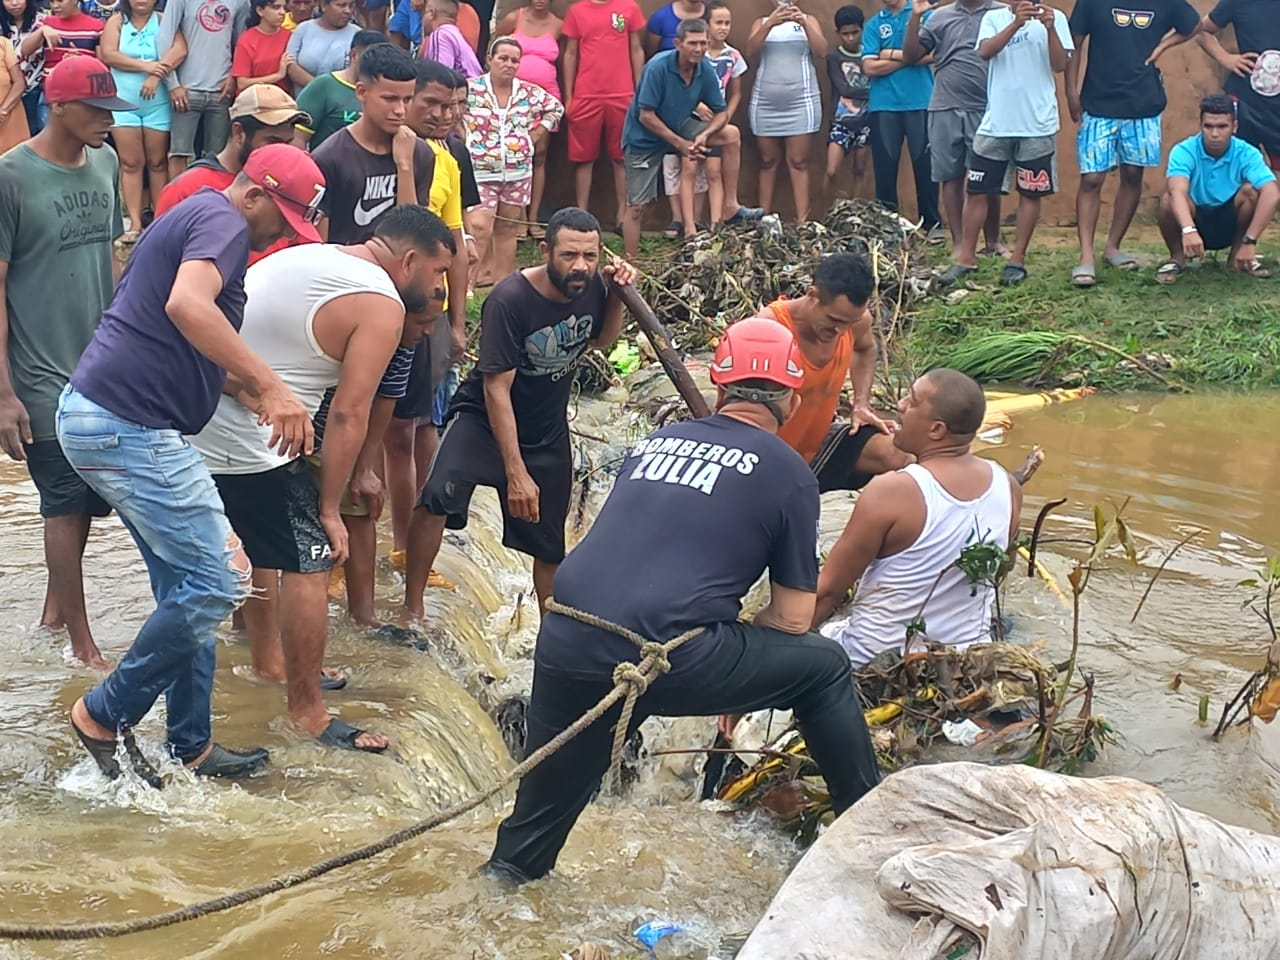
(283, 294)
(1022, 96)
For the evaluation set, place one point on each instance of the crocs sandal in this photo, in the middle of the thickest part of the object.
(225, 764)
(1170, 272)
(332, 683)
(1082, 276)
(745, 215)
(674, 230)
(343, 735)
(1012, 274)
(957, 271)
(104, 755)
(402, 636)
(1122, 261)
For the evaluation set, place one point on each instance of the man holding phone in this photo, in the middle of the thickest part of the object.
(1024, 46)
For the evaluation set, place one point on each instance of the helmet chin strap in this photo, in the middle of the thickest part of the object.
(769, 399)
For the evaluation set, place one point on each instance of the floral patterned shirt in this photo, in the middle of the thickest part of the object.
(500, 139)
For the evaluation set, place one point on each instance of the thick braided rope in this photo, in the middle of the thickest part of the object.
(654, 663)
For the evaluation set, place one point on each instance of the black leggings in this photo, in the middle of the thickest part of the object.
(753, 669)
(888, 130)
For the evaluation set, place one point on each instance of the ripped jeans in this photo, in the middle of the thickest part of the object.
(161, 489)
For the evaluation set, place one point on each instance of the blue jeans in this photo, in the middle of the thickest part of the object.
(160, 487)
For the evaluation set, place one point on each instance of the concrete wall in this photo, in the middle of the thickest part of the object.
(1188, 73)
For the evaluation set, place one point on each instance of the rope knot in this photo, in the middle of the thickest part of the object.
(658, 653)
(631, 675)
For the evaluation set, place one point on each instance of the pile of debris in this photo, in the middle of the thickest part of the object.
(991, 702)
(714, 279)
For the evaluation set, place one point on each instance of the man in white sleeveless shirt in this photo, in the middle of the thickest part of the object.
(322, 316)
(910, 526)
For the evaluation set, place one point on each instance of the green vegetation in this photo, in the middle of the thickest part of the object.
(1213, 326)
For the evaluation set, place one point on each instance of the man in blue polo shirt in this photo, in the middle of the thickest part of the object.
(661, 120)
(899, 110)
(1221, 195)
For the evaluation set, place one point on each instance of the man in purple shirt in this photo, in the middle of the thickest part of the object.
(151, 375)
(446, 44)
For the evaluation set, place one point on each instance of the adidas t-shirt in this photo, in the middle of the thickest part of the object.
(360, 186)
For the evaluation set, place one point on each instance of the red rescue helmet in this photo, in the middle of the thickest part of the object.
(758, 349)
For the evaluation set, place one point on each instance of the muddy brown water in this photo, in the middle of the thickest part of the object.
(73, 848)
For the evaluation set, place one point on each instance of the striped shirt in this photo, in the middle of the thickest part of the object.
(81, 32)
(394, 385)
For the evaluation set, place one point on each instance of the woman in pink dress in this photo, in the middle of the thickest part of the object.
(537, 30)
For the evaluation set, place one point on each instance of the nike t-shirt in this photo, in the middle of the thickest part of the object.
(360, 186)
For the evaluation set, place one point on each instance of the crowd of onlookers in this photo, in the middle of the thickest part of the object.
(967, 90)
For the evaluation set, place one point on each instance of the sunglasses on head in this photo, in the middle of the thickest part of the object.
(311, 212)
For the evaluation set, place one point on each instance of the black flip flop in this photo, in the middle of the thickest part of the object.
(331, 683)
(343, 735)
(104, 755)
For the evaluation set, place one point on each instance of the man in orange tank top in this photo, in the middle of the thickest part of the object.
(834, 329)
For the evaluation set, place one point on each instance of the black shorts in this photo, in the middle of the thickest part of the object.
(417, 402)
(835, 462)
(468, 457)
(276, 514)
(1218, 226)
(62, 491)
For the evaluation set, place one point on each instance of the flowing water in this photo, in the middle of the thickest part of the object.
(74, 848)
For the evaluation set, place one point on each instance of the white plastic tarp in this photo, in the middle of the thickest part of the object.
(1025, 864)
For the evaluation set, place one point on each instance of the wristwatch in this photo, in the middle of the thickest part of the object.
(1191, 228)
(1249, 241)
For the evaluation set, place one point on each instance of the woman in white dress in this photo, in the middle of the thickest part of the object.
(786, 104)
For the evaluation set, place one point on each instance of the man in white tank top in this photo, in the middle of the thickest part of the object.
(910, 526)
(322, 316)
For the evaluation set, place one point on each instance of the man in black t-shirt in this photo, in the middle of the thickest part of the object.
(507, 426)
(1118, 111)
(699, 511)
(1253, 74)
(377, 161)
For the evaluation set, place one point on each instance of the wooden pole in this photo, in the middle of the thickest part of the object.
(667, 356)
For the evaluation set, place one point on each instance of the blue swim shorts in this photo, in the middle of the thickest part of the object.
(1104, 144)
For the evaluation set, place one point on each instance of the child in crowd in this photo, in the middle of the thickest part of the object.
(850, 125)
(446, 44)
(102, 10)
(692, 178)
(67, 32)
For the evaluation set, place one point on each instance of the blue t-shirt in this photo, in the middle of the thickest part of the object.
(664, 23)
(407, 22)
(663, 90)
(713, 481)
(1215, 181)
(139, 365)
(909, 88)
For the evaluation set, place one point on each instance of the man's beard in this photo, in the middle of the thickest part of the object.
(564, 281)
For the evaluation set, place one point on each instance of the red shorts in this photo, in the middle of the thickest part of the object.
(590, 121)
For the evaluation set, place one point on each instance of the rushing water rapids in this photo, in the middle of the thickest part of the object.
(74, 848)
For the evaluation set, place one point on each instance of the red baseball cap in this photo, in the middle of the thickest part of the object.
(293, 181)
(84, 79)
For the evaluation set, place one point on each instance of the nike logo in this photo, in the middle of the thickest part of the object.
(364, 217)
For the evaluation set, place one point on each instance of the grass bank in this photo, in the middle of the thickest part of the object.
(1212, 327)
